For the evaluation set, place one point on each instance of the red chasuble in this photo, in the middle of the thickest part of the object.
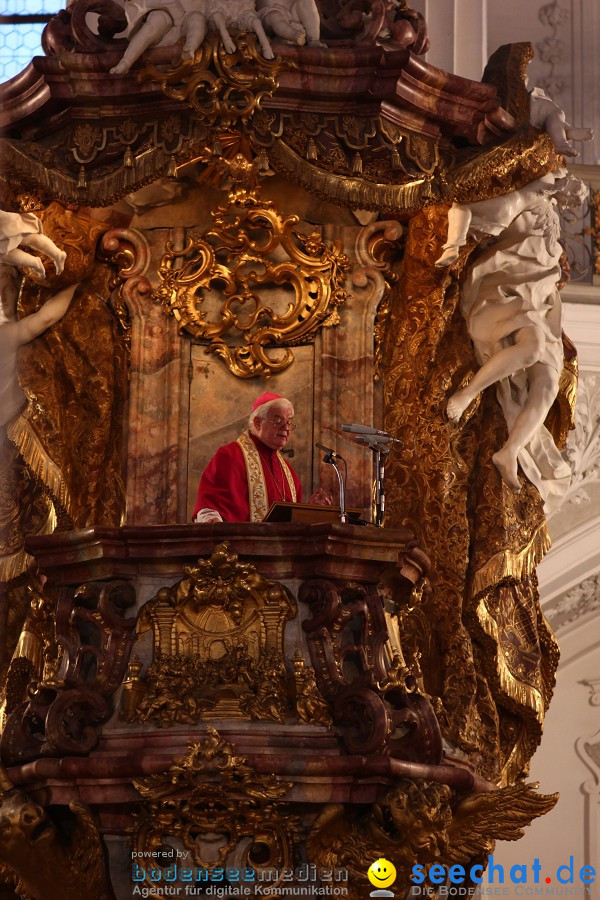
(224, 484)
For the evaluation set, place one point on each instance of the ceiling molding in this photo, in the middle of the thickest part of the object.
(573, 558)
(581, 321)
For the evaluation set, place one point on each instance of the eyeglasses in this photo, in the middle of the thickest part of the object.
(278, 422)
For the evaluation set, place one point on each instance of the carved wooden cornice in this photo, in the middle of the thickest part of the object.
(368, 126)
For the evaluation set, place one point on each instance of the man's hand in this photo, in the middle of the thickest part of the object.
(320, 498)
(207, 517)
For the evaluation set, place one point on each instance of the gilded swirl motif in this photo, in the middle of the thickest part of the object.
(225, 286)
(220, 87)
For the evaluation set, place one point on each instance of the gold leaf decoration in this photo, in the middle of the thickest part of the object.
(217, 647)
(221, 87)
(223, 286)
(213, 793)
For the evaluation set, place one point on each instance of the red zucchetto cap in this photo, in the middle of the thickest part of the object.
(265, 398)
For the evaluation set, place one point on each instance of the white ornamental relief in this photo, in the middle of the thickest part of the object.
(593, 685)
(551, 49)
(578, 602)
(583, 444)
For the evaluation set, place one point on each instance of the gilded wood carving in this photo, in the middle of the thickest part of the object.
(217, 647)
(229, 286)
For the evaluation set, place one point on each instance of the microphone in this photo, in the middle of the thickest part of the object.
(329, 451)
(363, 429)
(375, 439)
(373, 443)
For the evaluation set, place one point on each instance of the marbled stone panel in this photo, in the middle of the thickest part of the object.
(157, 392)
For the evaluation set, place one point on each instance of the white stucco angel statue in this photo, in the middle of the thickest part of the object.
(154, 22)
(20, 230)
(16, 332)
(511, 304)
(296, 21)
(547, 115)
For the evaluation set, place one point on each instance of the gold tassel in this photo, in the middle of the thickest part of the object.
(311, 150)
(26, 441)
(344, 190)
(128, 159)
(357, 164)
(217, 149)
(508, 564)
(523, 694)
(263, 161)
(16, 563)
(172, 168)
(395, 158)
(82, 180)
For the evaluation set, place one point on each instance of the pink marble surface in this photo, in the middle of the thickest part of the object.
(344, 381)
(155, 443)
(308, 757)
(279, 551)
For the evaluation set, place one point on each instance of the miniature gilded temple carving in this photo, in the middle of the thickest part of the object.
(217, 647)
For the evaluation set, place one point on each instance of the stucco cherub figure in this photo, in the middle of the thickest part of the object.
(16, 332)
(511, 304)
(296, 21)
(154, 22)
(19, 230)
(547, 115)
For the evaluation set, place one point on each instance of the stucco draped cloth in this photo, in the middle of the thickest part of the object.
(14, 228)
(244, 478)
(512, 285)
(488, 653)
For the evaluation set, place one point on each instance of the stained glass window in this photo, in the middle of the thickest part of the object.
(21, 26)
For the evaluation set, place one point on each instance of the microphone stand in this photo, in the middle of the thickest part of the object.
(330, 458)
(379, 455)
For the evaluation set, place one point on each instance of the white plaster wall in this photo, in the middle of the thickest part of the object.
(566, 37)
(458, 34)
(571, 829)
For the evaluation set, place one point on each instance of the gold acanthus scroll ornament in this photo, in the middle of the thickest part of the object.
(221, 88)
(229, 286)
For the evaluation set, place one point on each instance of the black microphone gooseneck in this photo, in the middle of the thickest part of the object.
(330, 458)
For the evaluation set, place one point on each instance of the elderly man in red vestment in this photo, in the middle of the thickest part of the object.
(245, 477)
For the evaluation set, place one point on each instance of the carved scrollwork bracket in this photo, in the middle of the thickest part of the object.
(377, 710)
(129, 252)
(221, 88)
(227, 286)
(94, 637)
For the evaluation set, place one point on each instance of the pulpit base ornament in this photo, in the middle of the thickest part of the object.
(272, 718)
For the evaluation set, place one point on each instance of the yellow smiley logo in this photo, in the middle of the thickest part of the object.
(382, 873)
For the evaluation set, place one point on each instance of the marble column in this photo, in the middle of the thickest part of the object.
(157, 394)
(344, 365)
